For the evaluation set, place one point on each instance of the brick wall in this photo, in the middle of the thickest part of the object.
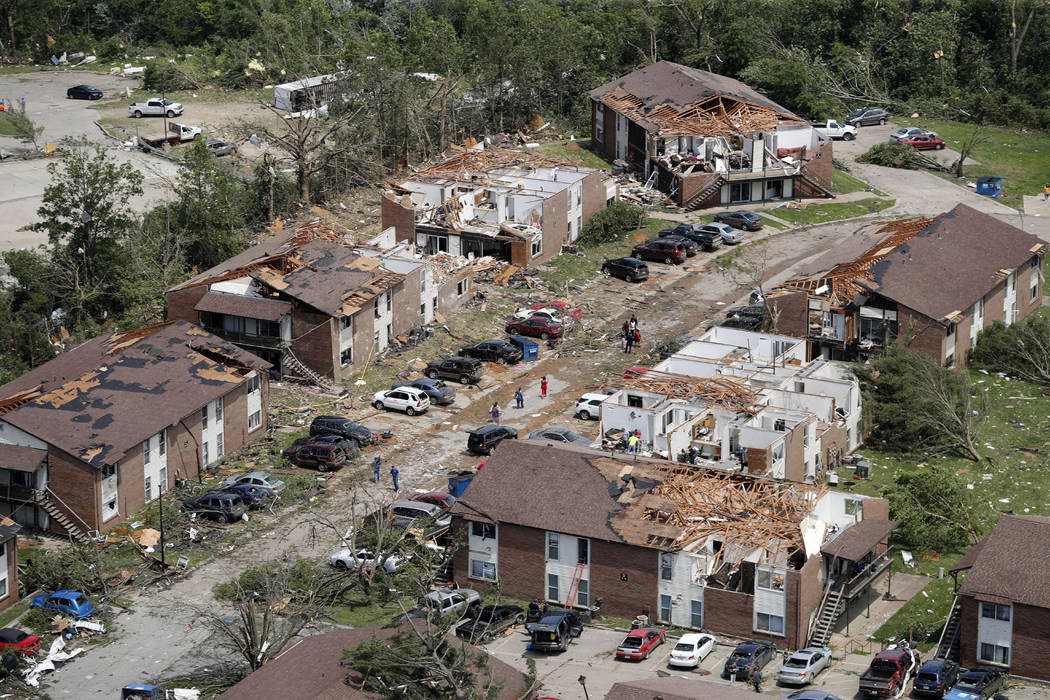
(184, 450)
(318, 347)
(449, 299)
(405, 302)
(693, 183)
(131, 485)
(795, 453)
(181, 302)
(609, 136)
(1030, 647)
(817, 167)
(610, 563)
(77, 485)
(555, 225)
(593, 195)
(831, 442)
(522, 562)
(968, 632)
(793, 314)
(1025, 304)
(804, 593)
(728, 612)
(925, 335)
(875, 509)
(401, 217)
(12, 574)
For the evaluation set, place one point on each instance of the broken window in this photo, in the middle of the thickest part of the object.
(582, 551)
(389, 301)
(218, 409)
(346, 356)
(537, 246)
(666, 566)
(162, 438)
(254, 382)
(149, 490)
(375, 307)
(482, 569)
(204, 418)
(437, 244)
(255, 420)
(486, 531)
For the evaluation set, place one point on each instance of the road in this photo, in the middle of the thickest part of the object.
(46, 104)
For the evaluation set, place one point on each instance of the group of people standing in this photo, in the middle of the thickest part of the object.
(629, 334)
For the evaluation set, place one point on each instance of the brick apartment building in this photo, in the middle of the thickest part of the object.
(932, 284)
(105, 428)
(711, 140)
(572, 526)
(9, 529)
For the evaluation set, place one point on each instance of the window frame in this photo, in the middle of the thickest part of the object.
(553, 587)
(1002, 613)
(553, 538)
(769, 627)
(479, 569)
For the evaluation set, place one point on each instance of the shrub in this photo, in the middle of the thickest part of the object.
(611, 224)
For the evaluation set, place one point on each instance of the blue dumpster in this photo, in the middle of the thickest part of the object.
(991, 186)
(458, 484)
(530, 348)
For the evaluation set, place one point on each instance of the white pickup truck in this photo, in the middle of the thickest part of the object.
(177, 133)
(155, 106)
(832, 129)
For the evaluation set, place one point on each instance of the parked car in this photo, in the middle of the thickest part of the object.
(347, 446)
(923, 142)
(365, 559)
(555, 630)
(889, 671)
(13, 639)
(639, 643)
(335, 425)
(980, 683)
(691, 649)
(445, 602)
(490, 621)
(407, 399)
(406, 513)
(744, 220)
(444, 501)
(747, 323)
(803, 666)
(705, 239)
(812, 695)
(83, 92)
(72, 603)
(553, 315)
(321, 456)
(493, 351)
(560, 435)
(752, 310)
(907, 132)
(437, 391)
(536, 327)
(665, 251)
(220, 505)
(155, 107)
(463, 369)
(730, 235)
(868, 116)
(262, 480)
(218, 147)
(484, 440)
(831, 129)
(747, 658)
(691, 246)
(589, 406)
(935, 677)
(253, 496)
(627, 269)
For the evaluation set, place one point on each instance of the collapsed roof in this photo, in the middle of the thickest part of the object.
(731, 393)
(675, 100)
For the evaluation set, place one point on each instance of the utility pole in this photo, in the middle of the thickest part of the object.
(163, 563)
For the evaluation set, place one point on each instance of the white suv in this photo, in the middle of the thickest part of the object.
(589, 406)
(404, 398)
(729, 234)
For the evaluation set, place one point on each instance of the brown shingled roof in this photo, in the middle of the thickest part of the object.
(21, 459)
(110, 393)
(239, 305)
(859, 539)
(1013, 563)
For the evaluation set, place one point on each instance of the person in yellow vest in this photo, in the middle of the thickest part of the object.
(1046, 191)
(632, 444)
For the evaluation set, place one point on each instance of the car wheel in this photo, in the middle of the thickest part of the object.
(170, 114)
(431, 374)
(378, 405)
(544, 336)
(584, 415)
(410, 411)
(848, 137)
(322, 467)
(647, 652)
(882, 122)
(519, 620)
(464, 379)
(939, 146)
(668, 260)
(138, 114)
(605, 270)
(340, 564)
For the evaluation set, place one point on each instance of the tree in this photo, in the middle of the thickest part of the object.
(212, 208)
(611, 224)
(935, 509)
(24, 127)
(975, 138)
(1021, 349)
(917, 404)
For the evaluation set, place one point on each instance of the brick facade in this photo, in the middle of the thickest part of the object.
(792, 312)
(181, 303)
(399, 216)
(555, 212)
(1029, 646)
(318, 346)
(611, 562)
(818, 167)
(76, 485)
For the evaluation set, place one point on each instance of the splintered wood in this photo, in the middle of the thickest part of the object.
(468, 163)
(723, 392)
(742, 514)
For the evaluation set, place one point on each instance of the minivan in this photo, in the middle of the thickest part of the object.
(555, 630)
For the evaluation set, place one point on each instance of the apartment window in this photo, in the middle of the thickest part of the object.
(204, 454)
(482, 569)
(254, 383)
(537, 246)
(553, 540)
(770, 580)
(552, 587)
(995, 612)
(389, 301)
(665, 609)
(666, 566)
(218, 410)
(149, 490)
(583, 592)
(145, 451)
(423, 309)
(346, 323)
(108, 470)
(220, 448)
(740, 192)
(162, 438)
(579, 223)
(162, 480)
(437, 244)
(204, 418)
(582, 551)
(486, 531)
(1033, 280)
(696, 614)
(269, 329)
(346, 357)
(423, 281)
(389, 330)
(255, 420)
(993, 653)
(774, 624)
(375, 307)
(851, 506)
(461, 287)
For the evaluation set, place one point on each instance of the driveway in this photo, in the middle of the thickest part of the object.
(46, 104)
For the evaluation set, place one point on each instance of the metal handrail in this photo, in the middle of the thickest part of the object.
(874, 569)
(47, 493)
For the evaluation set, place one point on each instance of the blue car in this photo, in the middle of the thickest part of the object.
(69, 602)
(935, 677)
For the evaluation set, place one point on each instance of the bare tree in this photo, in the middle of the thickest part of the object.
(25, 128)
(976, 137)
(1017, 36)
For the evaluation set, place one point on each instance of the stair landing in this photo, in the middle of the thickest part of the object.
(904, 587)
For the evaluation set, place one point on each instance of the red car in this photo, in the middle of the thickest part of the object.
(444, 501)
(640, 643)
(923, 142)
(11, 638)
(537, 327)
(662, 250)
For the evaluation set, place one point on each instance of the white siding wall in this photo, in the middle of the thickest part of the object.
(993, 631)
(10, 435)
(770, 602)
(154, 469)
(212, 436)
(484, 549)
(683, 587)
(565, 567)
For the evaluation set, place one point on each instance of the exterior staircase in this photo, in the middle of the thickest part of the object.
(41, 499)
(830, 610)
(806, 178)
(288, 359)
(700, 197)
(948, 646)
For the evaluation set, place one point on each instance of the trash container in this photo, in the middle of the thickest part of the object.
(458, 484)
(991, 186)
(862, 470)
(530, 348)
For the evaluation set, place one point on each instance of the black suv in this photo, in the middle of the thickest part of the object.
(627, 269)
(868, 116)
(221, 505)
(484, 440)
(493, 351)
(692, 232)
(749, 657)
(555, 630)
(743, 220)
(463, 369)
(344, 428)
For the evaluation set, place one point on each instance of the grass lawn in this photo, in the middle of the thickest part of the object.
(771, 223)
(6, 128)
(819, 213)
(574, 152)
(1022, 160)
(844, 183)
(920, 619)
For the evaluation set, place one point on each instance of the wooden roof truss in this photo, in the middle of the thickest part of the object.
(722, 392)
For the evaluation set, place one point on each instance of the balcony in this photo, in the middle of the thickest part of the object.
(238, 338)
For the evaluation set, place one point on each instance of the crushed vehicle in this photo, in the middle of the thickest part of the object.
(890, 672)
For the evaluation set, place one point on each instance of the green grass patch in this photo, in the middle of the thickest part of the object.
(819, 212)
(921, 618)
(574, 152)
(844, 183)
(773, 223)
(1022, 160)
(8, 616)
(6, 127)
(363, 614)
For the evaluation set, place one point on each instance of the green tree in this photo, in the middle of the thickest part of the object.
(611, 224)
(1021, 349)
(935, 509)
(24, 127)
(212, 208)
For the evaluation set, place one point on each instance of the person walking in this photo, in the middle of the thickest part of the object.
(519, 399)
(394, 473)
(632, 443)
(376, 464)
(495, 412)
(633, 323)
(732, 678)
(543, 387)
(628, 341)
(1046, 191)
(756, 680)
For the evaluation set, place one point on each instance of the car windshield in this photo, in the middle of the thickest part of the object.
(271, 480)
(632, 642)
(740, 656)
(796, 662)
(684, 646)
(570, 436)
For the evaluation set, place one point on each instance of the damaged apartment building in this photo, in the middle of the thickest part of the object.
(686, 545)
(930, 283)
(745, 402)
(315, 303)
(513, 206)
(708, 140)
(107, 427)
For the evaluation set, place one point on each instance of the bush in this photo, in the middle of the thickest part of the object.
(611, 224)
(894, 155)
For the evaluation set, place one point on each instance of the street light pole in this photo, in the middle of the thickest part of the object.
(583, 682)
(163, 563)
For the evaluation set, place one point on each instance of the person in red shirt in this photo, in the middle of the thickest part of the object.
(543, 387)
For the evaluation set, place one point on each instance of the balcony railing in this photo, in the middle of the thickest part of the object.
(872, 571)
(238, 338)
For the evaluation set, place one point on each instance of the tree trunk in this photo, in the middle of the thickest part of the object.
(304, 185)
